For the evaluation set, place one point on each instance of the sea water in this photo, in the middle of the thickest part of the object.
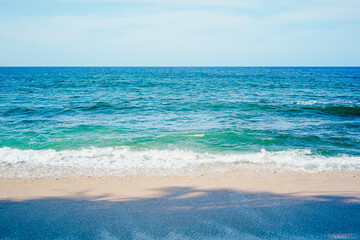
(130, 120)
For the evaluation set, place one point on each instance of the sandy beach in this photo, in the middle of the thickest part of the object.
(240, 204)
(179, 120)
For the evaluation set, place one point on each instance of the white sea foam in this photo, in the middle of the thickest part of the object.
(306, 102)
(195, 135)
(122, 160)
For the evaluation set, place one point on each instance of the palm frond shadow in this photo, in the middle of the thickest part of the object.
(184, 213)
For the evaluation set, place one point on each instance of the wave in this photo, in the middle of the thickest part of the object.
(305, 102)
(103, 106)
(332, 109)
(343, 110)
(55, 111)
(19, 111)
(124, 160)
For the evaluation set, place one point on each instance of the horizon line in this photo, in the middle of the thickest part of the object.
(179, 66)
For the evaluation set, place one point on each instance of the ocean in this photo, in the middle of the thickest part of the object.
(95, 121)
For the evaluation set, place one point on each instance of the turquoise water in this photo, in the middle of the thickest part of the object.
(173, 118)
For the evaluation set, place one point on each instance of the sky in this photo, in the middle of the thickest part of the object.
(179, 33)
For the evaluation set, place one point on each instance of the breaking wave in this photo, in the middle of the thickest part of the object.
(122, 161)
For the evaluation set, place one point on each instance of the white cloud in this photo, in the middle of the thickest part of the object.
(206, 36)
(245, 4)
(318, 15)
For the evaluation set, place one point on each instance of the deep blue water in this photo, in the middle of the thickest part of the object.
(212, 110)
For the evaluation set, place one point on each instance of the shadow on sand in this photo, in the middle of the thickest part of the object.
(184, 213)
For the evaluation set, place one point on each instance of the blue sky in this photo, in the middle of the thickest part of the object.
(179, 33)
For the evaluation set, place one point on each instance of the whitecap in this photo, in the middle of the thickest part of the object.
(124, 160)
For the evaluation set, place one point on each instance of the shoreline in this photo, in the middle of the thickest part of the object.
(300, 183)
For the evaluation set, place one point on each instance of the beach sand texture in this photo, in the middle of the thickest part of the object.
(231, 205)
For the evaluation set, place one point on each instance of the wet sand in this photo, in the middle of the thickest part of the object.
(239, 204)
